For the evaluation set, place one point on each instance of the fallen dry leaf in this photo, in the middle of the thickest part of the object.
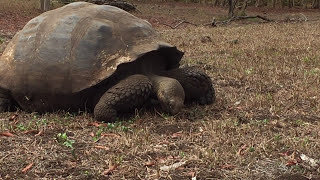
(291, 162)
(241, 150)
(192, 174)
(31, 132)
(177, 134)
(228, 166)
(91, 134)
(285, 153)
(161, 160)
(71, 164)
(110, 170)
(164, 142)
(13, 117)
(110, 135)
(173, 166)
(24, 170)
(95, 124)
(150, 163)
(39, 133)
(311, 161)
(7, 134)
(102, 147)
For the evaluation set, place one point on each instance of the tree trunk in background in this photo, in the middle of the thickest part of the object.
(224, 2)
(316, 4)
(282, 3)
(290, 3)
(216, 3)
(258, 2)
(244, 7)
(45, 5)
(230, 4)
(304, 3)
(274, 3)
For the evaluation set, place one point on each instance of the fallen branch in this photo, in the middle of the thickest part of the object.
(173, 166)
(305, 17)
(178, 24)
(215, 23)
(236, 18)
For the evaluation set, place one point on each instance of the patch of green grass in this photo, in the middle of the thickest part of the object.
(249, 71)
(277, 137)
(21, 127)
(251, 149)
(1, 40)
(98, 134)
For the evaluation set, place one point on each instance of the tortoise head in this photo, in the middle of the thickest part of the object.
(171, 95)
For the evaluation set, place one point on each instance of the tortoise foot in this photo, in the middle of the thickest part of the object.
(196, 83)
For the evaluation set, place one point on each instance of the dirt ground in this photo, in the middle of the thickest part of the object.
(265, 123)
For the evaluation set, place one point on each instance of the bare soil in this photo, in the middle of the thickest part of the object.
(264, 124)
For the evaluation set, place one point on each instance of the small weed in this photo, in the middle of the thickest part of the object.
(63, 139)
(265, 121)
(314, 71)
(119, 125)
(251, 149)
(35, 117)
(182, 154)
(164, 116)
(269, 96)
(308, 59)
(68, 115)
(98, 134)
(249, 71)
(21, 127)
(306, 141)
(277, 137)
(42, 122)
(299, 122)
(118, 159)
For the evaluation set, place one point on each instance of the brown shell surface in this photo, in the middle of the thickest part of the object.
(74, 47)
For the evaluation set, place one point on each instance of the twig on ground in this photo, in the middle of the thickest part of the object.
(214, 23)
(177, 25)
(305, 17)
(236, 18)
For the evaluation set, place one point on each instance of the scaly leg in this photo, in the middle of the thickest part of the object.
(196, 83)
(128, 94)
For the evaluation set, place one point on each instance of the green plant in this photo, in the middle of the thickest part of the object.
(119, 125)
(277, 137)
(63, 139)
(251, 149)
(98, 134)
(182, 154)
(21, 127)
(42, 121)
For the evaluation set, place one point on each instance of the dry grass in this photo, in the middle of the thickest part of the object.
(24, 6)
(267, 79)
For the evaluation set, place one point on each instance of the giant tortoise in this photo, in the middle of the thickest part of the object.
(95, 58)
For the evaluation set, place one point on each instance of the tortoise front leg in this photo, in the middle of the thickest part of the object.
(196, 84)
(125, 96)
